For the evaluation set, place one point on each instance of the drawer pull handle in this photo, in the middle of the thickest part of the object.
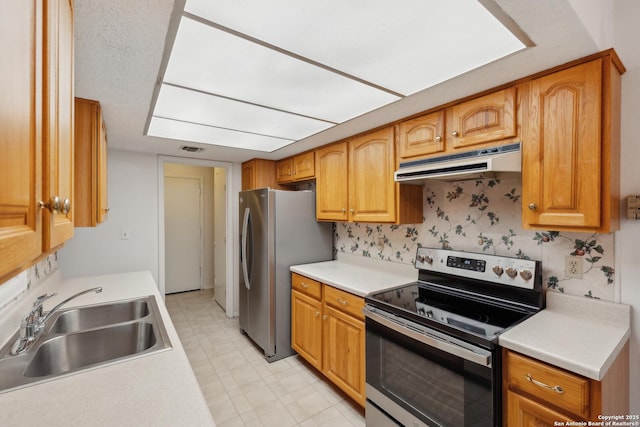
(343, 302)
(304, 285)
(555, 388)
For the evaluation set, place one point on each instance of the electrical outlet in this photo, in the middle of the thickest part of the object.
(573, 266)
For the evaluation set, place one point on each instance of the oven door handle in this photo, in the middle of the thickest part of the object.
(446, 346)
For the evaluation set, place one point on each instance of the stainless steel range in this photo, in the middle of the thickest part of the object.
(432, 354)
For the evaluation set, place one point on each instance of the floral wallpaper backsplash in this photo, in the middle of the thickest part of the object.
(485, 216)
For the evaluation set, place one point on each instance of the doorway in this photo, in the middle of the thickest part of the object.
(196, 192)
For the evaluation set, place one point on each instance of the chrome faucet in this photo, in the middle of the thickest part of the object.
(33, 323)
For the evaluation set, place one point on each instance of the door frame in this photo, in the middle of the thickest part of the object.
(233, 180)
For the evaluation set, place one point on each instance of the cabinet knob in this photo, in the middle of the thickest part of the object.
(351, 210)
(317, 314)
(438, 138)
(343, 210)
(304, 285)
(324, 317)
(533, 206)
(454, 133)
(56, 205)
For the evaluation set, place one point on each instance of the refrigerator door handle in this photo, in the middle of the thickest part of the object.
(245, 261)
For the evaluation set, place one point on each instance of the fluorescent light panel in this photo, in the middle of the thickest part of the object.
(262, 72)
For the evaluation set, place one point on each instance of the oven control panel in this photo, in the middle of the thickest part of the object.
(510, 271)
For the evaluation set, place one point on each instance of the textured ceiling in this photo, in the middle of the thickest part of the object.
(120, 46)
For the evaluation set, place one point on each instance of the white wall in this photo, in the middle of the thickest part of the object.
(133, 203)
(627, 18)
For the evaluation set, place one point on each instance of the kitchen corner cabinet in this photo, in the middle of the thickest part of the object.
(327, 330)
(538, 394)
(90, 164)
(354, 182)
(571, 148)
(258, 173)
(296, 168)
(35, 129)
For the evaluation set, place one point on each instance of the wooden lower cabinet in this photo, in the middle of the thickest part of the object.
(327, 330)
(343, 356)
(538, 394)
(525, 412)
(306, 328)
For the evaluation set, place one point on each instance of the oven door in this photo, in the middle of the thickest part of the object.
(422, 377)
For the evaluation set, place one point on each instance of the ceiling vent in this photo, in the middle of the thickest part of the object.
(191, 149)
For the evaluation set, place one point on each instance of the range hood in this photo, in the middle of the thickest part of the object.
(483, 163)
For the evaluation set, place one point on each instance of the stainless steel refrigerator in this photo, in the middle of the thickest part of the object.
(278, 229)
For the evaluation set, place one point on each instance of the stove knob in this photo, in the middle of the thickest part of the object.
(511, 272)
(526, 274)
(428, 259)
(420, 258)
(498, 270)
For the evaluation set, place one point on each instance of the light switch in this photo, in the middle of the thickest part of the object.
(633, 207)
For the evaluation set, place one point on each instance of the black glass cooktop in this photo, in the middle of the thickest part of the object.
(429, 305)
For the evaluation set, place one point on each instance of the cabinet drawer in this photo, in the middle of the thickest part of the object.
(307, 286)
(344, 301)
(575, 389)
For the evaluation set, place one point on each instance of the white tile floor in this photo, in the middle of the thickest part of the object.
(240, 386)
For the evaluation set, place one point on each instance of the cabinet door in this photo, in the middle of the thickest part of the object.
(372, 190)
(284, 170)
(331, 183)
(488, 118)
(248, 176)
(344, 360)
(102, 199)
(20, 134)
(561, 157)
(421, 136)
(90, 165)
(306, 328)
(523, 412)
(304, 166)
(58, 123)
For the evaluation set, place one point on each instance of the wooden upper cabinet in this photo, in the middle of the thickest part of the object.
(259, 173)
(570, 149)
(284, 170)
(354, 182)
(90, 160)
(20, 134)
(58, 123)
(372, 189)
(331, 182)
(296, 168)
(421, 136)
(304, 166)
(483, 120)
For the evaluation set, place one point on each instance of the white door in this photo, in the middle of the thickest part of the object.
(183, 237)
(220, 236)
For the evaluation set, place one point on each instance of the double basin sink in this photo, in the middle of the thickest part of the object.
(86, 337)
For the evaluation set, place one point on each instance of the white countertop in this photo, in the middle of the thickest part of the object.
(358, 275)
(581, 335)
(158, 389)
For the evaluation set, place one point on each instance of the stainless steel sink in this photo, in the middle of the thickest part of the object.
(95, 316)
(86, 337)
